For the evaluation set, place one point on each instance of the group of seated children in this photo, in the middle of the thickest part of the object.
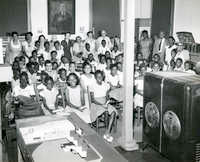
(84, 86)
(156, 65)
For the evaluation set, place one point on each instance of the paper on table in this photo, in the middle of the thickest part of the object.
(47, 131)
(51, 151)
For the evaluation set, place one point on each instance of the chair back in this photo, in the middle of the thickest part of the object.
(89, 97)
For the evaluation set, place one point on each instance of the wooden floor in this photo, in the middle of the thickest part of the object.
(147, 155)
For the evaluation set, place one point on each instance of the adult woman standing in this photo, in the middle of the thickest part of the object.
(77, 49)
(14, 48)
(41, 40)
(145, 44)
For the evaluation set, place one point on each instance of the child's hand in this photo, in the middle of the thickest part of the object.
(51, 111)
(105, 105)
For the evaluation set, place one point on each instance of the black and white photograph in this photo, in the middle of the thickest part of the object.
(61, 16)
(99, 81)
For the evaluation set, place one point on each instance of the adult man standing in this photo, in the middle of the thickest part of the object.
(160, 45)
(28, 45)
(67, 45)
(104, 37)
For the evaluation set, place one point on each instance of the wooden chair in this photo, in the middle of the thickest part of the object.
(102, 120)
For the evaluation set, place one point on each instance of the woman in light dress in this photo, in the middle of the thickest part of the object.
(14, 48)
(145, 45)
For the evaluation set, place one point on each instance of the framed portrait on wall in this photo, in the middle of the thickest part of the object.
(61, 16)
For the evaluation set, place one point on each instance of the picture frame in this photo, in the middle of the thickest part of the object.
(61, 16)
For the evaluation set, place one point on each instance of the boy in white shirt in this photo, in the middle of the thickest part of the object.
(115, 52)
(41, 63)
(49, 95)
(47, 51)
(64, 63)
(104, 37)
(187, 68)
(113, 78)
(114, 81)
(102, 63)
(103, 48)
(179, 63)
(48, 69)
(25, 95)
(23, 89)
(92, 61)
(32, 73)
(59, 51)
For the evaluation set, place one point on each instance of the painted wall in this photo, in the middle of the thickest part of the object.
(106, 17)
(39, 18)
(143, 10)
(13, 16)
(186, 17)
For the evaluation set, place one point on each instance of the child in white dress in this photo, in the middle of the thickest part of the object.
(87, 78)
(99, 102)
(62, 78)
(108, 64)
(49, 96)
(102, 62)
(120, 73)
(75, 98)
(139, 83)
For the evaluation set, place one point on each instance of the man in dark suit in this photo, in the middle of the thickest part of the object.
(159, 46)
(67, 44)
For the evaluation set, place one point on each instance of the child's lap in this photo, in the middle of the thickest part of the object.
(97, 110)
(84, 115)
(117, 94)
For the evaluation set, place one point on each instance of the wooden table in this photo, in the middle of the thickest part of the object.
(99, 150)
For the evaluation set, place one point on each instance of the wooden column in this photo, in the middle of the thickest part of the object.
(1, 143)
(29, 15)
(91, 15)
(127, 142)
